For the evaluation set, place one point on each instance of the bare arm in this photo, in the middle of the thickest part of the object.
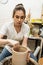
(24, 43)
(7, 41)
(1, 36)
(3, 41)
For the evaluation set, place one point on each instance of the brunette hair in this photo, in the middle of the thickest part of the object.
(19, 7)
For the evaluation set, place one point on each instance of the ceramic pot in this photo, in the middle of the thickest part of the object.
(19, 57)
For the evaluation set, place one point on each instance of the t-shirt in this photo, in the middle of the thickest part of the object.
(9, 30)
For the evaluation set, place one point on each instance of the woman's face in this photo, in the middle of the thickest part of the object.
(19, 18)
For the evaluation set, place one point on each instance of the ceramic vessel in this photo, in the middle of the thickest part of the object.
(19, 57)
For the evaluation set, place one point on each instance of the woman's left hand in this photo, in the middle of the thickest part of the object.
(28, 56)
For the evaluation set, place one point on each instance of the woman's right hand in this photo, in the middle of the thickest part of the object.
(12, 43)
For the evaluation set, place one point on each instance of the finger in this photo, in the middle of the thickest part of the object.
(28, 56)
(27, 60)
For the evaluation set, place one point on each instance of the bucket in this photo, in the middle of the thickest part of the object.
(19, 57)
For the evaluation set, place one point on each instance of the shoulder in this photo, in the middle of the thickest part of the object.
(9, 24)
(6, 26)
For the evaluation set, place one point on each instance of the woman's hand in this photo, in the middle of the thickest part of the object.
(16, 47)
(12, 43)
(28, 56)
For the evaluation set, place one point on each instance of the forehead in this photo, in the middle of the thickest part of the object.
(19, 12)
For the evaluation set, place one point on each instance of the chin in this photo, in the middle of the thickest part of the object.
(19, 24)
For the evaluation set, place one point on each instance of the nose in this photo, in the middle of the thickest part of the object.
(19, 19)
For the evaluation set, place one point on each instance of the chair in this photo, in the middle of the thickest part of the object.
(35, 43)
(8, 61)
(36, 51)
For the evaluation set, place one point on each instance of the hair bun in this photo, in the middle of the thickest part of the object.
(20, 4)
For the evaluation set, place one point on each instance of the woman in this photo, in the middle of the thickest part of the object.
(16, 30)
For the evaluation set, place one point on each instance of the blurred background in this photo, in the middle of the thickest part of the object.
(33, 7)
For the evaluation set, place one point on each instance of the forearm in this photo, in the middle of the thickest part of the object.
(3, 41)
(24, 43)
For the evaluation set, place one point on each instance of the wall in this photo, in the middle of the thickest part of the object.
(6, 9)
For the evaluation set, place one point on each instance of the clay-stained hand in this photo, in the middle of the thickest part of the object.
(16, 47)
(28, 56)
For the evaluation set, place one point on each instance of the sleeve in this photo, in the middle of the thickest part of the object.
(27, 31)
(3, 30)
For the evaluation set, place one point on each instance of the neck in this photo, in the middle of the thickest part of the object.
(17, 28)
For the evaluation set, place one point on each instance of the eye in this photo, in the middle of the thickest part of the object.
(17, 17)
(22, 17)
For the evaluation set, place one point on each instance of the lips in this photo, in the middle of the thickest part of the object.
(19, 23)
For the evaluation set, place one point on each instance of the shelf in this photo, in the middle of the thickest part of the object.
(39, 24)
